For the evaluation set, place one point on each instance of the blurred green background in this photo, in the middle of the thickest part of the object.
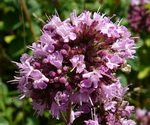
(20, 24)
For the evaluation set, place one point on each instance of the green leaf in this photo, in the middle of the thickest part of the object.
(2, 105)
(3, 95)
(31, 121)
(16, 47)
(8, 39)
(144, 73)
(3, 89)
(93, 6)
(36, 29)
(139, 44)
(134, 63)
(34, 6)
(147, 6)
(3, 121)
(123, 80)
(1, 25)
(147, 42)
(19, 117)
(10, 20)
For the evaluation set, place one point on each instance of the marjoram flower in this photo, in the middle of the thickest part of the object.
(71, 70)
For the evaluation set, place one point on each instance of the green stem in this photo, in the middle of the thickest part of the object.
(64, 119)
(69, 113)
(27, 15)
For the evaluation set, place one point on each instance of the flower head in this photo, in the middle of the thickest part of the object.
(73, 65)
(139, 15)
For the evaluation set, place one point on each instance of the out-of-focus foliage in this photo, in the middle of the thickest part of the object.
(20, 25)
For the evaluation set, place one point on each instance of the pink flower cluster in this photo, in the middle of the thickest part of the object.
(139, 15)
(72, 70)
(139, 2)
(143, 116)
